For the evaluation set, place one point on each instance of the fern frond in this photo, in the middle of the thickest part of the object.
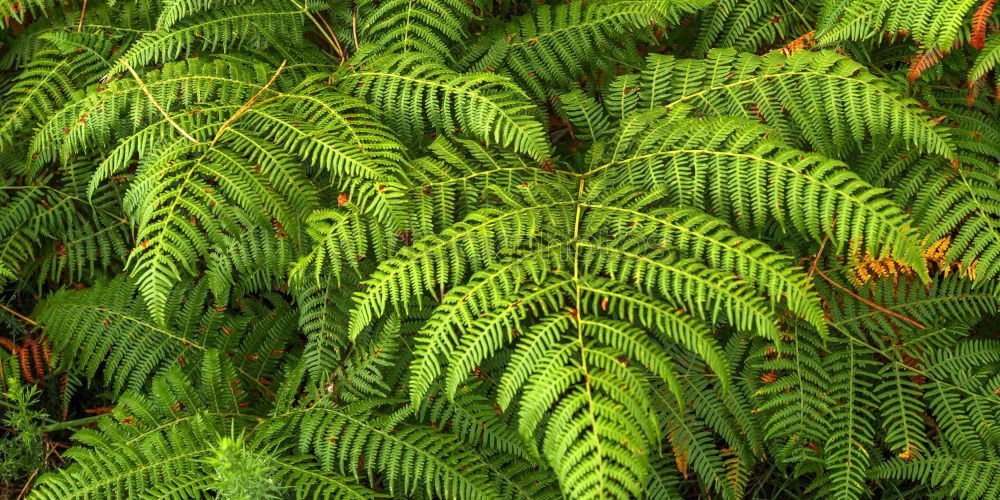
(435, 463)
(750, 25)
(417, 93)
(692, 159)
(828, 100)
(227, 28)
(930, 24)
(584, 114)
(987, 59)
(404, 26)
(849, 449)
(966, 479)
(900, 410)
(166, 444)
(794, 396)
(132, 347)
(553, 45)
(947, 300)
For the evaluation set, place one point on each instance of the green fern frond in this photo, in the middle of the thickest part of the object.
(169, 445)
(966, 479)
(794, 397)
(226, 29)
(751, 25)
(851, 445)
(417, 93)
(692, 159)
(829, 101)
(584, 114)
(900, 409)
(932, 25)
(553, 45)
(132, 347)
(946, 300)
(404, 26)
(436, 464)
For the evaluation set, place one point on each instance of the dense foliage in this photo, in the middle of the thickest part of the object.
(499, 248)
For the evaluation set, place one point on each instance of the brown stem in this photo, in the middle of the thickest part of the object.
(19, 315)
(82, 12)
(245, 107)
(145, 90)
(337, 47)
(822, 245)
(354, 26)
(27, 484)
(870, 303)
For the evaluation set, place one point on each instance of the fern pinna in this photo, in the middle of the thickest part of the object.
(499, 249)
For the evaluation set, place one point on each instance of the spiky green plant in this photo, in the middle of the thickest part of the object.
(507, 249)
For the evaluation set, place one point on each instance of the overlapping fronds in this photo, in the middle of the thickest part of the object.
(962, 478)
(176, 443)
(931, 24)
(751, 25)
(553, 46)
(419, 95)
(223, 29)
(732, 168)
(403, 26)
(131, 347)
(827, 101)
(499, 249)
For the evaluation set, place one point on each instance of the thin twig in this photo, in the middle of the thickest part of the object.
(337, 47)
(28, 483)
(325, 32)
(82, 12)
(870, 303)
(145, 90)
(822, 245)
(354, 26)
(245, 107)
(19, 315)
(33, 474)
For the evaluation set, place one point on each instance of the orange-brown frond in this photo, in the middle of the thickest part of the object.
(924, 61)
(803, 42)
(979, 20)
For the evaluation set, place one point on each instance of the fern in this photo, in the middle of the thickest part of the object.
(827, 100)
(668, 151)
(415, 90)
(403, 26)
(550, 46)
(472, 249)
(178, 461)
(961, 477)
(235, 27)
(852, 436)
(930, 24)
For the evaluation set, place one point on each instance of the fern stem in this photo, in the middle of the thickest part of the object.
(819, 253)
(332, 41)
(69, 424)
(354, 26)
(83, 11)
(870, 303)
(333, 34)
(19, 315)
(245, 107)
(162, 111)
